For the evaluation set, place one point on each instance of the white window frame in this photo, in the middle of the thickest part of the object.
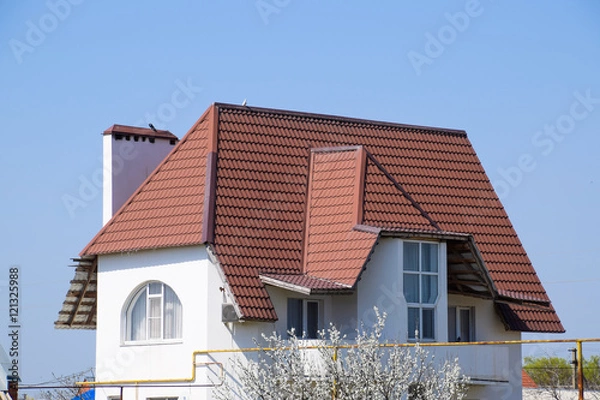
(144, 290)
(304, 302)
(458, 323)
(424, 306)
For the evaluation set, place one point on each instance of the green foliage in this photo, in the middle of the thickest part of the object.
(557, 372)
(591, 372)
(550, 372)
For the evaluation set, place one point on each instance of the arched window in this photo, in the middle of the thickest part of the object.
(154, 313)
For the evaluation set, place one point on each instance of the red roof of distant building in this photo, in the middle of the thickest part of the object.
(528, 382)
(301, 198)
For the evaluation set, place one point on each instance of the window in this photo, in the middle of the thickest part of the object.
(420, 265)
(461, 324)
(154, 314)
(303, 316)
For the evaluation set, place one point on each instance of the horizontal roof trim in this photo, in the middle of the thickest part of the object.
(272, 281)
(415, 234)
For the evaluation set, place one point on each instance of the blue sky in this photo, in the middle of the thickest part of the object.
(520, 77)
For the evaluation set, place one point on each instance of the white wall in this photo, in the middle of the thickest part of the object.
(502, 362)
(126, 164)
(197, 281)
(381, 286)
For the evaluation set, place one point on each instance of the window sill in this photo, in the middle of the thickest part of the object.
(168, 342)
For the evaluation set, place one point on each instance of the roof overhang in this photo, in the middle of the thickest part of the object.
(467, 274)
(305, 284)
(79, 308)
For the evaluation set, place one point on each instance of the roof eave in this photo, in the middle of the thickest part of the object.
(267, 280)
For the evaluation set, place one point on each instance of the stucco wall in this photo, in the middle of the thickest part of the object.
(190, 272)
(381, 286)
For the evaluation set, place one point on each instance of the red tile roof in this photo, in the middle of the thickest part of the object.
(528, 382)
(334, 250)
(167, 209)
(240, 180)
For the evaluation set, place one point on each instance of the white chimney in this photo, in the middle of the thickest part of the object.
(130, 154)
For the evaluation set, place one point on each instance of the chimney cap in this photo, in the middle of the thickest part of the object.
(139, 131)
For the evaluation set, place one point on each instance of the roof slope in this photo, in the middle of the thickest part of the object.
(167, 209)
(334, 250)
(424, 179)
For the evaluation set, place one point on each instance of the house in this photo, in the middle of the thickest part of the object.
(7, 374)
(261, 220)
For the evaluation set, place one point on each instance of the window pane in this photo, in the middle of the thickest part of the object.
(429, 289)
(411, 288)
(155, 288)
(452, 324)
(312, 319)
(294, 317)
(428, 324)
(138, 318)
(411, 256)
(173, 323)
(154, 318)
(465, 325)
(154, 328)
(413, 322)
(154, 309)
(429, 257)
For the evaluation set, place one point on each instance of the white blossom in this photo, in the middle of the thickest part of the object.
(339, 368)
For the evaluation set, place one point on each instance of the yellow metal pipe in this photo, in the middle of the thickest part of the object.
(334, 389)
(348, 346)
(580, 369)
(164, 380)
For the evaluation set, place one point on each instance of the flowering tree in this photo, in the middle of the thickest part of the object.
(336, 368)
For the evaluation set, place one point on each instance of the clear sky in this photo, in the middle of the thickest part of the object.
(522, 78)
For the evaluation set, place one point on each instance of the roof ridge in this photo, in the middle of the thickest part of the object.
(340, 118)
(407, 195)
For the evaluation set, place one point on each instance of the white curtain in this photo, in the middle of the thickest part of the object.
(173, 320)
(154, 318)
(138, 317)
